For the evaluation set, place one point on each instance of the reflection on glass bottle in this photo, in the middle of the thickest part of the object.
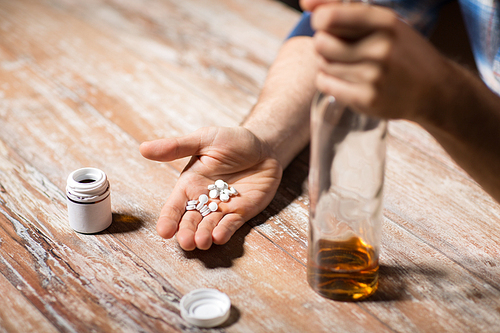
(345, 185)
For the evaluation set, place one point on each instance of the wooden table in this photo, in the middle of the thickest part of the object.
(82, 83)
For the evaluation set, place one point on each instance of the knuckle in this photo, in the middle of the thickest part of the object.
(373, 74)
(321, 84)
(382, 50)
(388, 18)
(323, 65)
(366, 99)
(392, 20)
(324, 18)
(321, 42)
(370, 98)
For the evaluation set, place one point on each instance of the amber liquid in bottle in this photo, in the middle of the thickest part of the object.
(343, 271)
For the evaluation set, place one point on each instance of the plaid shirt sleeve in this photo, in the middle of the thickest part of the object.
(482, 19)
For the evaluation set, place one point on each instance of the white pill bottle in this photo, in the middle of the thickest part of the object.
(89, 200)
(345, 187)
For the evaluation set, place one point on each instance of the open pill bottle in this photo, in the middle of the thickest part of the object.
(89, 200)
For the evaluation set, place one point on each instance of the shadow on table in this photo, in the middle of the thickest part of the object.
(222, 255)
(124, 223)
(393, 281)
(234, 316)
(289, 189)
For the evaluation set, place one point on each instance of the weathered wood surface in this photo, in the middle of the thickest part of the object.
(82, 83)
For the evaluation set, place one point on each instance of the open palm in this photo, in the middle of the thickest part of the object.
(234, 155)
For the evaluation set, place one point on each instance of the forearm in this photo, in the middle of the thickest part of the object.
(468, 127)
(281, 116)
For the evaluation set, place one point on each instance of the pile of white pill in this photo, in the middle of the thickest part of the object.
(202, 205)
(220, 189)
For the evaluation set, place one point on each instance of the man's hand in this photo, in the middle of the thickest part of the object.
(374, 62)
(234, 155)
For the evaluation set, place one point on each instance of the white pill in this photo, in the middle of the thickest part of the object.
(211, 187)
(233, 191)
(226, 192)
(205, 213)
(192, 202)
(190, 207)
(224, 197)
(213, 194)
(220, 184)
(204, 209)
(200, 206)
(203, 198)
(213, 206)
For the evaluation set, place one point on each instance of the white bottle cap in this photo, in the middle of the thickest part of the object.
(205, 307)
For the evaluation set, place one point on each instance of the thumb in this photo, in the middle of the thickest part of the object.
(169, 149)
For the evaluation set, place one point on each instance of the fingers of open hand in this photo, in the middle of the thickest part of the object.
(171, 213)
(187, 230)
(191, 229)
(203, 236)
(175, 219)
(217, 228)
(226, 228)
(170, 149)
(200, 232)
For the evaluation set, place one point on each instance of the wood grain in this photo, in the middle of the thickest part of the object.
(83, 83)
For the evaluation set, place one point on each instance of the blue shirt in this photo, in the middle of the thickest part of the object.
(481, 17)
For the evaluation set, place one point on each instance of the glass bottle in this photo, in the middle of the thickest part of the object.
(346, 186)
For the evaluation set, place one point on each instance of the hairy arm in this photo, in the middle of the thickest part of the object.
(467, 125)
(281, 115)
